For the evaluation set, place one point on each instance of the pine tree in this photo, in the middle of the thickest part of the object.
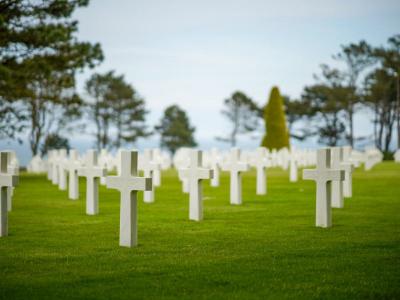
(40, 55)
(277, 135)
(115, 105)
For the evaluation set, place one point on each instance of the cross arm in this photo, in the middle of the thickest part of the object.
(131, 183)
(309, 174)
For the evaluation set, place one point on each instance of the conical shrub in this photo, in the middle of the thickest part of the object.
(276, 132)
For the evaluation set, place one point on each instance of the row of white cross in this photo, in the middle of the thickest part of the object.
(332, 175)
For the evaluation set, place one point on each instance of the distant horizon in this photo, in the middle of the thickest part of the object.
(196, 54)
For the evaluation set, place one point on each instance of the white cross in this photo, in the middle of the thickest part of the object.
(62, 169)
(6, 180)
(128, 183)
(348, 176)
(149, 166)
(92, 172)
(157, 172)
(215, 166)
(54, 166)
(103, 158)
(323, 176)
(337, 186)
(12, 170)
(73, 166)
(293, 167)
(235, 167)
(50, 155)
(195, 174)
(261, 163)
(185, 183)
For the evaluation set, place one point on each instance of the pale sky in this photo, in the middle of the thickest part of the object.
(196, 53)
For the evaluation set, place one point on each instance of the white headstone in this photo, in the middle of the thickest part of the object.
(49, 164)
(293, 167)
(215, 164)
(128, 183)
(397, 155)
(54, 171)
(6, 181)
(235, 167)
(348, 175)
(62, 169)
(158, 159)
(195, 174)
(73, 167)
(185, 182)
(261, 163)
(13, 169)
(149, 166)
(337, 163)
(92, 172)
(36, 165)
(323, 175)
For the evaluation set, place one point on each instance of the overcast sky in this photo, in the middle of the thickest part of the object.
(196, 53)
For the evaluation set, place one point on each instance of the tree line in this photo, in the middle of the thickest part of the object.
(368, 80)
(40, 57)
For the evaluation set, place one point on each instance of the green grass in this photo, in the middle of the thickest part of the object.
(266, 248)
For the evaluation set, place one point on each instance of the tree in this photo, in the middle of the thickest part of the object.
(357, 57)
(54, 141)
(389, 58)
(381, 94)
(276, 133)
(297, 110)
(326, 101)
(40, 56)
(175, 129)
(128, 112)
(100, 108)
(115, 104)
(243, 114)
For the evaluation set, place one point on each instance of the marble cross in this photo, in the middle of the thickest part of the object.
(157, 172)
(261, 163)
(348, 175)
(62, 169)
(50, 155)
(293, 167)
(128, 183)
(54, 166)
(6, 180)
(185, 183)
(12, 169)
(235, 167)
(337, 186)
(215, 166)
(73, 179)
(195, 174)
(92, 172)
(149, 166)
(323, 175)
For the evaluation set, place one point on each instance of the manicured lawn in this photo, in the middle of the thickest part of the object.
(266, 248)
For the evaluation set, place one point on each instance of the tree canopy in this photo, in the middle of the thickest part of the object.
(175, 129)
(40, 56)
